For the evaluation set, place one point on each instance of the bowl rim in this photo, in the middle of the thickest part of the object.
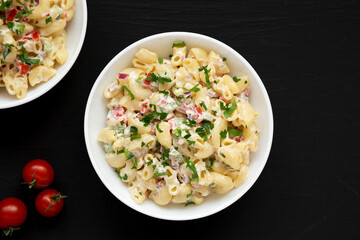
(184, 35)
(59, 76)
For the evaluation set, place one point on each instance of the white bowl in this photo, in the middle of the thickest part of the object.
(75, 31)
(96, 111)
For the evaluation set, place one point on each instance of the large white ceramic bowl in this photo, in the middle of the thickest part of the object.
(96, 113)
(75, 31)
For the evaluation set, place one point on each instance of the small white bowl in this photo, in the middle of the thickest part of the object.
(75, 31)
(96, 111)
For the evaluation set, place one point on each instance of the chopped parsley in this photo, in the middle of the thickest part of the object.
(140, 193)
(194, 89)
(165, 164)
(125, 177)
(160, 60)
(24, 58)
(120, 151)
(224, 59)
(190, 142)
(236, 79)
(165, 92)
(190, 165)
(157, 174)
(210, 163)
(202, 134)
(205, 130)
(234, 132)
(135, 137)
(202, 104)
(164, 155)
(208, 126)
(152, 77)
(130, 93)
(158, 128)
(149, 162)
(228, 110)
(246, 82)
(188, 203)
(142, 144)
(128, 154)
(6, 4)
(206, 71)
(7, 49)
(222, 154)
(187, 135)
(49, 19)
(190, 194)
(133, 129)
(152, 117)
(25, 12)
(223, 134)
(135, 163)
(182, 44)
(189, 123)
(214, 112)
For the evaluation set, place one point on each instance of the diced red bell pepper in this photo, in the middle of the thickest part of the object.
(23, 68)
(198, 110)
(35, 35)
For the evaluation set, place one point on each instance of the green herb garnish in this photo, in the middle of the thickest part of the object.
(157, 174)
(165, 92)
(182, 44)
(202, 104)
(191, 166)
(234, 132)
(160, 60)
(157, 78)
(130, 93)
(190, 194)
(194, 89)
(206, 71)
(158, 128)
(24, 58)
(228, 110)
(223, 134)
(236, 79)
(49, 19)
(135, 137)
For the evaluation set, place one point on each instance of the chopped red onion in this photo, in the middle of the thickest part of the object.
(123, 75)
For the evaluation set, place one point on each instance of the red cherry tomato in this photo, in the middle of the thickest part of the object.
(49, 202)
(38, 173)
(13, 213)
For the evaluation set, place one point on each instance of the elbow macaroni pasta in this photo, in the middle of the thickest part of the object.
(33, 39)
(179, 129)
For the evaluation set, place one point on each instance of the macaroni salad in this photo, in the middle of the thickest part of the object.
(33, 38)
(179, 129)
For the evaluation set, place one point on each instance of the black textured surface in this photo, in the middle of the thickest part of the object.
(307, 54)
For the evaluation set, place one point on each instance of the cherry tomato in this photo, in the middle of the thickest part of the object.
(38, 173)
(13, 213)
(49, 202)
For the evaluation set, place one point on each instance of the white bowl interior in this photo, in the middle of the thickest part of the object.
(96, 113)
(75, 31)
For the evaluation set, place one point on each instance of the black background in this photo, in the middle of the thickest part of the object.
(307, 54)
